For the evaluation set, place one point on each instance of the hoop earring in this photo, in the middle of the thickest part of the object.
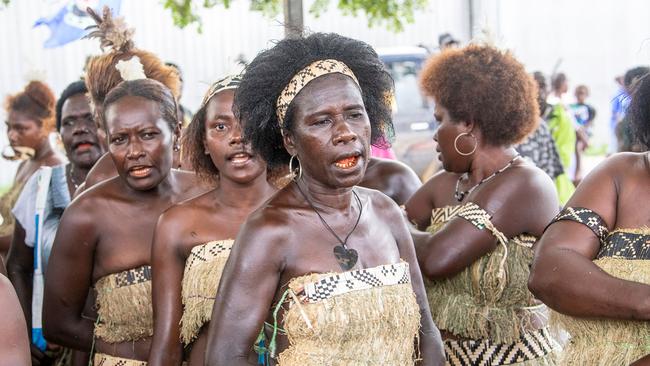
(292, 172)
(456, 144)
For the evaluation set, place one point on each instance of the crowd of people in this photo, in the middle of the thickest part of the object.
(263, 231)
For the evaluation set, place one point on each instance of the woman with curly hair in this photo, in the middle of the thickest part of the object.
(193, 239)
(591, 265)
(105, 236)
(334, 263)
(30, 119)
(484, 212)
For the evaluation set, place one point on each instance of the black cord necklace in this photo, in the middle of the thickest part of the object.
(460, 195)
(346, 257)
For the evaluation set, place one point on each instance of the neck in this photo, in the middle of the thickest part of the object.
(43, 150)
(243, 195)
(324, 196)
(488, 160)
(78, 173)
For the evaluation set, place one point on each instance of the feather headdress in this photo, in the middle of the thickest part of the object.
(112, 32)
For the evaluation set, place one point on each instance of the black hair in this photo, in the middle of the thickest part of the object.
(149, 89)
(639, 110)
(193, 147)
(632, 75)
(558, 80)
(271, 71)
(77, 87)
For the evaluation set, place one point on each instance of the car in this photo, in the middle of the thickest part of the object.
(412, 111)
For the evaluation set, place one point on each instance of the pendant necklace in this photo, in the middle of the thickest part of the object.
(70, 171)
(346, 257)
(461, 195)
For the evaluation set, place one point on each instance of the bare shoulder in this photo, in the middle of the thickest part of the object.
(191, 185)
(101, 171)
(178, 214)
(393, 167)
(378, 200)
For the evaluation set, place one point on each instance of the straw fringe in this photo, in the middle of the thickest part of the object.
(7, 202)
(125, 313)
(489, 299)
(200, 284)
(607, 342)
(377, 326)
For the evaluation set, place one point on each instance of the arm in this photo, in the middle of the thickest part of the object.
(167, 266)
(20, 269)
(421, 203)
(69, 277)
(524, 201)
(248, 285)
(14, 344)
(405, 181)
(563, 265)
(432, 351)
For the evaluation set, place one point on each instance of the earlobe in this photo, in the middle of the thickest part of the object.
(287, 138)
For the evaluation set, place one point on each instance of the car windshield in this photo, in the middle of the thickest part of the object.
(407, 91)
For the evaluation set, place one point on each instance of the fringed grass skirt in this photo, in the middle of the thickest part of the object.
(203, 270)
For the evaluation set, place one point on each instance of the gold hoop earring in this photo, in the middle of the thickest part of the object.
(292, 172)
(456, 144)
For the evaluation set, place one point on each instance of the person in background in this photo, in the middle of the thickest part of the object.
(30, 119)
(592, 265)
(584, 114)
(447, 41)
(53, 188)
(184, 114)
(627, 141)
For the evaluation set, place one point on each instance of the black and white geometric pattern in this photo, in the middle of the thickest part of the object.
(106, 360)
(483, 352)
(625, 245)
(361, 279)
(133, 276)
(474, 214)
(586, 217)
(208, 252)
(303, 77)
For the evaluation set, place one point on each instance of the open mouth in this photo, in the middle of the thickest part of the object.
(348, 162)
(83, 146)
(140, 171)
(240, 158)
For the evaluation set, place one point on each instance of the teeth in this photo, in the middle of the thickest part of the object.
(346, 163)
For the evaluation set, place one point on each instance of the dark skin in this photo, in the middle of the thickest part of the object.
(24, 130)
(14, 345)
(331, 124)
(614, 190)
(459, 243)
(215, 215)
(392, 178)
(79, 136)
(109, 228)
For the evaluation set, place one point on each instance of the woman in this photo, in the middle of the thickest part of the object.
(53, 186)
(106, 233)
(30, 119)
(591, 265)
(316, 103)
(193, 239)
(14, 344)
(484, 211)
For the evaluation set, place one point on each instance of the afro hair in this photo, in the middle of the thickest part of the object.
(486, 86)
(271, 71)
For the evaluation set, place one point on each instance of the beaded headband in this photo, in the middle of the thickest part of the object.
(303, 77)
(227, 83)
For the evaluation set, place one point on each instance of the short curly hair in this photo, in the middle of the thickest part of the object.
(271, 71)
(76, 87)
(37, 101)
(639, 110)
(484, 85)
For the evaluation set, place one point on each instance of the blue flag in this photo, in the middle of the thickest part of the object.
(70, 22)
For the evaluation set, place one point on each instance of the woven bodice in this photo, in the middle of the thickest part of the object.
(361, 317)
(203, 270)
(124, 306)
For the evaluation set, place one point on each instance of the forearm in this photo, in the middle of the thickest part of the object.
(70, 333)
(21, 279)
(224, 357)
(165, 352)
(431, 349)
(572, 284)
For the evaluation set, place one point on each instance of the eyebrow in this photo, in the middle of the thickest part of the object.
(326, 111)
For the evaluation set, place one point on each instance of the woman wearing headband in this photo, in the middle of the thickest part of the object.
(326, 270)
(592, 264)
(193, 239)
(104, 239)
(484, 211)
(30, 119)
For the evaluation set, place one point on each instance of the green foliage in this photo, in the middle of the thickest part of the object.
(394, 13)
